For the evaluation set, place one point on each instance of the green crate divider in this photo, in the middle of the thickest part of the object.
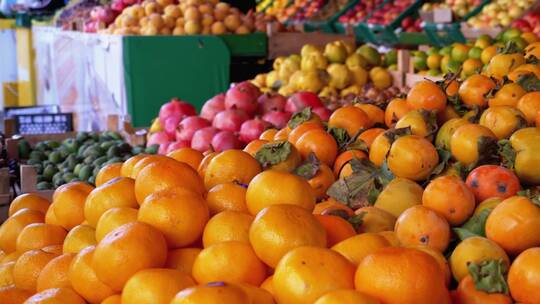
(328, 25)
(406, 38)
(253, 45)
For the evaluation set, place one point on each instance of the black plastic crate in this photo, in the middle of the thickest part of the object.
(54, 123)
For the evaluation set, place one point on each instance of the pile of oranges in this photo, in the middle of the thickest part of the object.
(431, 200)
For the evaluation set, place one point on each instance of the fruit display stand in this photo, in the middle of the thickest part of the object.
(406, 68)
(327, 26)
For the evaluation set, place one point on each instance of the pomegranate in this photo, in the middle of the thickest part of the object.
(226, 140)
(118, 6)
(177, 108)
(158, 138)
(241, 97)
(230, 120)
(299, 101)
(163, 148)
(251, 87)
(323, 113)
(203, 138)
(213, 106)
(179, 145)
(90, 27)
(187, 127)
(277, 118)
(271, 102)
(252, 129)
(170, 125)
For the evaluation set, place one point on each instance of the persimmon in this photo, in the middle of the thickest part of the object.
(331, 206)
(396, 109)
(503, 120)
(375, 114)
(379, 148)
(427, 95)
(474, 89)
(368, 136)
(375, 219)
(508, 95)
(268, 135)
(357, 247)
(529, 105)
(254, 146)
(444, 135)
(451, 198)
(467, 293)
(278, 155)
(468, 141)
(419, 225)
(408, 192)
(337, 228)
(422, 123)
(322, 144)
(300, 130)
(282, 134)
(524, 276)
(323, 179)
(412, 157)
(350, 118)
(345, 157)
(489, 181)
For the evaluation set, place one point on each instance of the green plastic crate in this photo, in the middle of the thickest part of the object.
(327, 26)
(406, 38)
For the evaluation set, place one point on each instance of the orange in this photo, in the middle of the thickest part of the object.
(155, 285)
(412, 157)
(337, 229)
(345, 296)
(68, 206)
(28, 267)
(323, 179)
(12, 227)
(83, 278)
(345, 157)
(126, 250)
(374, 113)
(166, 211)
(56, 296)
(79, 238)
(13, 295)
(39, 235)
(306, 273)
(529, 105)
(204, 163)
(524, 276)
(508, 95)
(182, 259)
(356, 248)
(114, 218)
(50, 217)
(474, 89)
(368, 136)
(257, 295)
(282, 134)
(80, 186)
(426, 95)
(189, 156)
(512, 225)
(55, 273)
(224, 168)
(419, 225)
(6, 274)
(464, 143)
(350, 118)
(268, 135)
(391, 237)
(396, 109)
(213, 293)
(255, 146)
(473, 250)
(278, 229)
(119, 192)
(108, 172)
(322, 144)
(55, 249)
(268, 285)
(148, 160)
(441, 260)
(231, 261)
(375, 219)
(302, 129)
(227, 197)
(409, 193)
(272, 187)
(166, 175)
(466, 293)
(402, 275)
(28, 200)
(227, 226)
(12, 257)
(128, 165)
(331, 206)
(451, 198)
(114, 299)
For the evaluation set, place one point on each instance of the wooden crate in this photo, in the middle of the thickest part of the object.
(405, 65)
(5, 194)
(29, 182)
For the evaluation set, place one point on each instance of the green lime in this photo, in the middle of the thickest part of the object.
(453, 66)
(420, 61)
(445, 51)
(475, 53)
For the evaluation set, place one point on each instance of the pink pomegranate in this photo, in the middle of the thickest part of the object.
(299, 101)
(118, 6)
(252, 129)
(176, 108)
(250, 86)
(170, 125)
(277, 118)
(226, 140)
(187, 127)
(203, 138)
(163, 148)
(158, 138)
(213, 106)
(229, 120)
(241, 97)
(271, 102)
(323, 113)
(179, 145)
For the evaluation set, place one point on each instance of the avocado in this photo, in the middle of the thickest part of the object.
(56, 179)
(49, 172)
(68, 177)
(44, 186)
(55, 157)
(32, 161)
(106, 145)
(37, 155)
(85, 172)
(113, 151)
(39, 168)
(53, 144)
(41, 146)
(77, 169)
(24, 148)
(90, 159)
(71, 145)
(40, 178)
(81, 137)
(99, 161)
(92, 180)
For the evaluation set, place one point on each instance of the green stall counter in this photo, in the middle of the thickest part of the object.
(192, 68)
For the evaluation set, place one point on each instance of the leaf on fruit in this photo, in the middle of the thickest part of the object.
(273, 153)
(510, 48)
(507, 153)
(357, 220)
(394, 134)
(475, 226)
(353, 190)
(489, 276)
(531, 59)
(532, 194)
(458, 106)
(444, 158)
(529, 82)
(430, 117)
(487, 151)
(474, 114)
(309, 168)
(341, 136)
(300, 117)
